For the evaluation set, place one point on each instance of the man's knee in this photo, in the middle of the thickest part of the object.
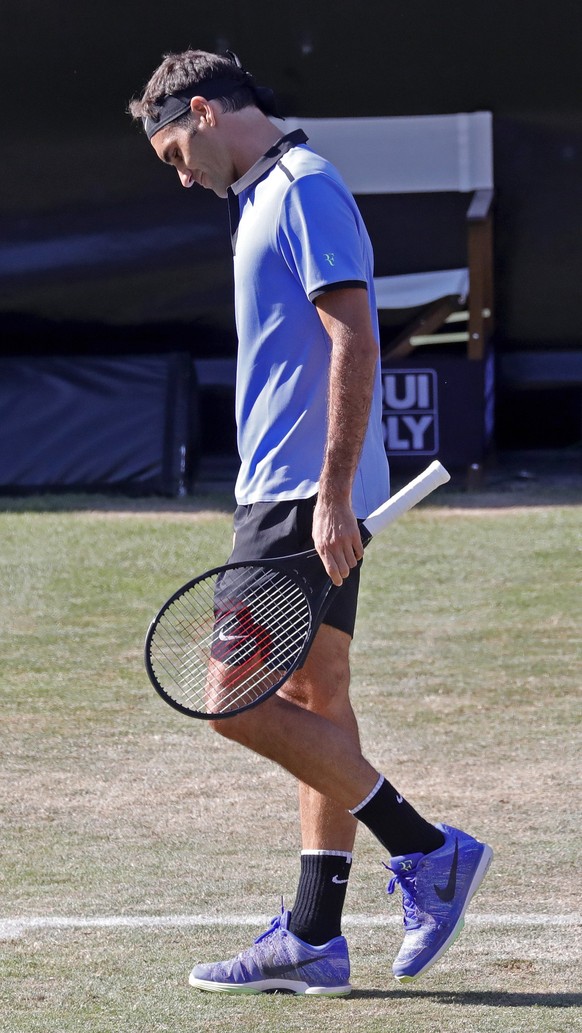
(322, 685)
(321, 695)
(229, 728)
(239, 728)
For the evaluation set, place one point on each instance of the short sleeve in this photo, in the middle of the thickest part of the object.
(320, 235)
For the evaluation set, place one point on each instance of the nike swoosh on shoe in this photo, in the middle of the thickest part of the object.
(276, 971)
(446, 893)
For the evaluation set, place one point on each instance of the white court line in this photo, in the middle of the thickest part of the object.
(12, 928)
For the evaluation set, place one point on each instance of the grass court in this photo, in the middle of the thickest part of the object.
(135, 843)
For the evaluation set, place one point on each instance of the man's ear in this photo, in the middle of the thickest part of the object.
(202, 110)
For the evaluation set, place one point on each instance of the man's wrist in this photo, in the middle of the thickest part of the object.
(329, 495)
(335, 487)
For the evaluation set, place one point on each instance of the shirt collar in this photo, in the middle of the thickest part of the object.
(266, 163)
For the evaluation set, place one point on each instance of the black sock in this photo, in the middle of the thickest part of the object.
(317, 911)
(395, 823)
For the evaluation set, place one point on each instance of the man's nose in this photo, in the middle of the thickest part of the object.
(186, 178)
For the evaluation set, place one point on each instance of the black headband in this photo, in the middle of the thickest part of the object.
(176, 104)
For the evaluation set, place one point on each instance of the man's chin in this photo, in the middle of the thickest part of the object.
(217, 188)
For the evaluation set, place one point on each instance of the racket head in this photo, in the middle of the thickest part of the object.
(228, 639)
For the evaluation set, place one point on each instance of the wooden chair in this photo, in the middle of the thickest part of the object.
(423, 183)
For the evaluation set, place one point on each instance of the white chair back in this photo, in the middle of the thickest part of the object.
(417, 154)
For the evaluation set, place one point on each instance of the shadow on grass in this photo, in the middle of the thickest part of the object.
(214, 501)
(480, 998)
(221, 500)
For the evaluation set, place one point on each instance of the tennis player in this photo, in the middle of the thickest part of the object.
(308, 410)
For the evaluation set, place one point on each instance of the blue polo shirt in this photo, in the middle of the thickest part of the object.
(297, 233)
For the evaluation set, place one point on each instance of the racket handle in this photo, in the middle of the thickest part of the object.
(407, 497)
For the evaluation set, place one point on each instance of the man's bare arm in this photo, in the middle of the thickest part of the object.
(354, 353)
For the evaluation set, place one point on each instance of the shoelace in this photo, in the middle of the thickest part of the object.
(249, 952)
(275, 924)
(407, 883)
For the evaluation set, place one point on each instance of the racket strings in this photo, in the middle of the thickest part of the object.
(229, 638)
(227, 686)
(173, 629)
(259, 678)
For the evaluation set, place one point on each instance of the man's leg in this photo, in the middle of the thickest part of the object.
(322, 754)
(439, 869)
(311, 731)
(304, 951)
(327, 829)
(322, 686)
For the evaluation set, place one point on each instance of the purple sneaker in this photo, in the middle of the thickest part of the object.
(278, 960)
(436, 890)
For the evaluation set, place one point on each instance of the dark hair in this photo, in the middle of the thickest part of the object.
(185, 70)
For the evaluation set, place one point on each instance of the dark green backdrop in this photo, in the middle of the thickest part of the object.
(74, 165)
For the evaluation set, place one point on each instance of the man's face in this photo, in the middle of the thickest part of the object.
(197, 152)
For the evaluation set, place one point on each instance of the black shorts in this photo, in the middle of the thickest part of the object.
(265, 530)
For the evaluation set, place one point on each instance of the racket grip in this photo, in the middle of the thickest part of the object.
(407, 497)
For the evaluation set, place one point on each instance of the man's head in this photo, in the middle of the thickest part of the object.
(184, 110)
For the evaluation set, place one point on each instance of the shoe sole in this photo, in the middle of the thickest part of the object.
(265, 986)
(480, 873)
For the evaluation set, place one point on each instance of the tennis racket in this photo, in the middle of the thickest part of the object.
(230, 638)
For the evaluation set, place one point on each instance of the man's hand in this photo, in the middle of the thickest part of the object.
(337, 538)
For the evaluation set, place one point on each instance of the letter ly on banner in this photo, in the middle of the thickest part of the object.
(410, 412)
